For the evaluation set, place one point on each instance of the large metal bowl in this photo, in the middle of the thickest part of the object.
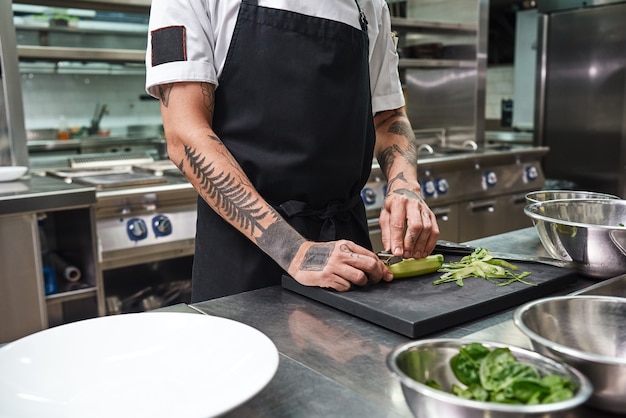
(544, 195)
(586, 332)
(415, 362)
(586, 231)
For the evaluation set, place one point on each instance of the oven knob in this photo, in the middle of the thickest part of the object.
(531, 173)
(368, 195)
(442, 186)
(136, 229)
(429, 189)
(161, 225)
(490, 178)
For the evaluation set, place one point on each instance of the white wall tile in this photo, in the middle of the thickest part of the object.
(48, 97)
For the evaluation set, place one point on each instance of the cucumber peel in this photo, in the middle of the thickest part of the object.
(481, 264)
(410, 267)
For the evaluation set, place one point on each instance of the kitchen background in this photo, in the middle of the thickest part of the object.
(468, 68)
(50, 100)
(54, 100)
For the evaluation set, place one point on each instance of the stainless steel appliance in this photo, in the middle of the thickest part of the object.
(145, 223)
(445, 86)
(473, 193)
(581, 87)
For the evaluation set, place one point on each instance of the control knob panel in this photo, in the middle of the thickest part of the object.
(161, 226)
(136, 229)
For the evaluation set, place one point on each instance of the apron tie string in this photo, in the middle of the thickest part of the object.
(330, 214)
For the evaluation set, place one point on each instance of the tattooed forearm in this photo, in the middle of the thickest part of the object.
(393, 114)
(317, 257)
(281, 241)
(396, 123)
(164, 93)
(387, 156)
(208, 98)
(227, 193)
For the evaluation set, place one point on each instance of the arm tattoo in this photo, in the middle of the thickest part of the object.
(164, 93)
(386, 157)
(281, 241)
(208, 98)
(227, 193)
(317, 257)
(278, 239)
(394, 114)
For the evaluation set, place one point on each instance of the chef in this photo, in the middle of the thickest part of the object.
(273, 110)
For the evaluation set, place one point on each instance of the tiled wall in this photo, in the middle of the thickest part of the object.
(48, 97)
(500, 85)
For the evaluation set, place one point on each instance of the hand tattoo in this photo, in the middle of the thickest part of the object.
(317, 257)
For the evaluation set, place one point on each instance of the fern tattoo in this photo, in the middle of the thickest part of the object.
(229, 196)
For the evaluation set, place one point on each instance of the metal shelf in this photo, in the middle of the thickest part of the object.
(435, 63)
(130, 6)
(68, 295)
(80, 54)
(400, 24)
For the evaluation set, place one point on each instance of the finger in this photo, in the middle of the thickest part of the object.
(364, 261)
(434, 235)
(338, 283)
(397, 222)
(417, 233)
(383, 223)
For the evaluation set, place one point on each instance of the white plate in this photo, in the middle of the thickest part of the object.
(155, 364)
(12, 172)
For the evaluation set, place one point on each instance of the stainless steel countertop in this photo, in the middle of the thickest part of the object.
(333, 364)
(36, 193)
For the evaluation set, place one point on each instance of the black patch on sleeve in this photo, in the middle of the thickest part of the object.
(168, 45)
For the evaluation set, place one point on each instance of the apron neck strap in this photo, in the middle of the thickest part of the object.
(362, 18)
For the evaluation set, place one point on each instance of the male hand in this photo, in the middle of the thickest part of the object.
(337, 265)
(409, 228)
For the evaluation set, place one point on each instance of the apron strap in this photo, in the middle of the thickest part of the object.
(362, 18)
(329, 215)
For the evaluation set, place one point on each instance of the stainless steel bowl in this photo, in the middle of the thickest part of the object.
(586, 332)
(543, 195)
(586, 231)
(415, 362)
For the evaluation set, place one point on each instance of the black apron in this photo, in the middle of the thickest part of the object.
(293, 106)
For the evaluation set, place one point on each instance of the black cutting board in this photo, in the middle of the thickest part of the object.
(414, 307)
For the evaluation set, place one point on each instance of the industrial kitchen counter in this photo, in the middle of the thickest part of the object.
(42, 194)
(334, 364)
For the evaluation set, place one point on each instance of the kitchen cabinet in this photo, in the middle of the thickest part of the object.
(33, 212)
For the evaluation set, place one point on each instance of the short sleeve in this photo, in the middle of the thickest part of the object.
(384, 77)
(180, 44)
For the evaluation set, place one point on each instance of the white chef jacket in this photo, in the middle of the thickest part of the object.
(209, 26)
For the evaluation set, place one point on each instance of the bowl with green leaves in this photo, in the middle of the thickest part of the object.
(462, 378)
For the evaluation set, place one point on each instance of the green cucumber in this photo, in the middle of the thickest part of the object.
(411, 267)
